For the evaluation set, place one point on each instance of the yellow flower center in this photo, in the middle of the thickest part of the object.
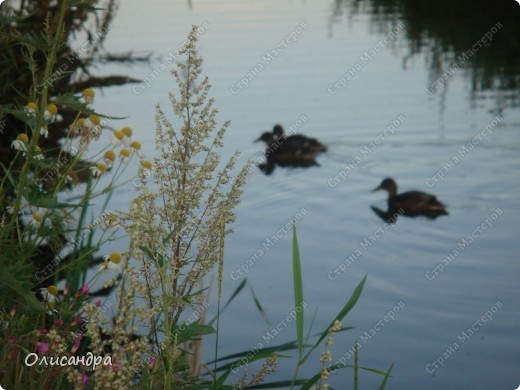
(136, 145)
(119, 134)
(52, 109)
(147, 164)
(127, 131)
(32, 106)
(53, 290)
(37, 149)
(96, 120)
(110, 155)
(80, 122)
(115, 257)
(88, 93)
(102, 167)
(125, 153)
(23, 137)
(37, 217)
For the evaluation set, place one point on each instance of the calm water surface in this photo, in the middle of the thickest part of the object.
(434, 310)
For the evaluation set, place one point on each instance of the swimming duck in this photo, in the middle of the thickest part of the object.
(278, 142)
(411, 203)
(287, 159)
(289, 151)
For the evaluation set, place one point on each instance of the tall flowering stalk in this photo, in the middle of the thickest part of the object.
(176, 228)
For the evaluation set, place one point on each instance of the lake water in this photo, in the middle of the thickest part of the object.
(324, 84)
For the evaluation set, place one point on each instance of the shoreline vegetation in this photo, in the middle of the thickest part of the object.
(52, 251)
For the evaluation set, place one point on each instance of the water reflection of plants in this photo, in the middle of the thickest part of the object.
(445, 30)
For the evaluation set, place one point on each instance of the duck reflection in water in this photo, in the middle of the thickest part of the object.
(289, 151)
(410, 204)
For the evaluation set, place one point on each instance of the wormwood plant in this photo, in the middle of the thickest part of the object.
(177, 224)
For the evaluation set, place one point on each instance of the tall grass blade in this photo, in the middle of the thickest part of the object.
(298, 303)
(356, 360)
(260, 307)
(233, 296)
(298, 293)
(387, 375)
(276, 385)
(266, 351)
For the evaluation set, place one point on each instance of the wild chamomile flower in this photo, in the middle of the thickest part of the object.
(44, 131)
(50, 113)
(31, 108)
(20, 143)
(92, 120)
(109, 157)
(112, 262)
(77, 126)
(72, 147)
(99, 170)
(127, 132)
(117, 137)
(38, 153)
(92, 123)
(88, 95)
(125, 155)
(146, 164)
(50, 294)
(136, 145)
(37, 216)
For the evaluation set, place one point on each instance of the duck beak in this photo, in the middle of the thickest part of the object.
(376, 189)
(257, 140)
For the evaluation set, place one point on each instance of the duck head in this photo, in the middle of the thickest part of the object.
(266, 137)
(388, 185)
(278, 131)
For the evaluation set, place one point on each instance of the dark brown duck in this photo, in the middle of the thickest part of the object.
(411, 203)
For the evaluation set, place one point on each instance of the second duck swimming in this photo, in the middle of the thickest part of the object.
(294, 150)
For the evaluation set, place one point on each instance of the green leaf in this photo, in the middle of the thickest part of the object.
(156, 259)
(308, 384)
(298, 293)
(8, 174)
(387, 375)
(220, 381)
(278, 385)
(174, 231)
(50, 203)
(17, 288)
(343, 312)
(190, 332)
(260, 307)
(356, 359)
(235, 293)
(268, 351)
(74, 102)
(248, 358)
